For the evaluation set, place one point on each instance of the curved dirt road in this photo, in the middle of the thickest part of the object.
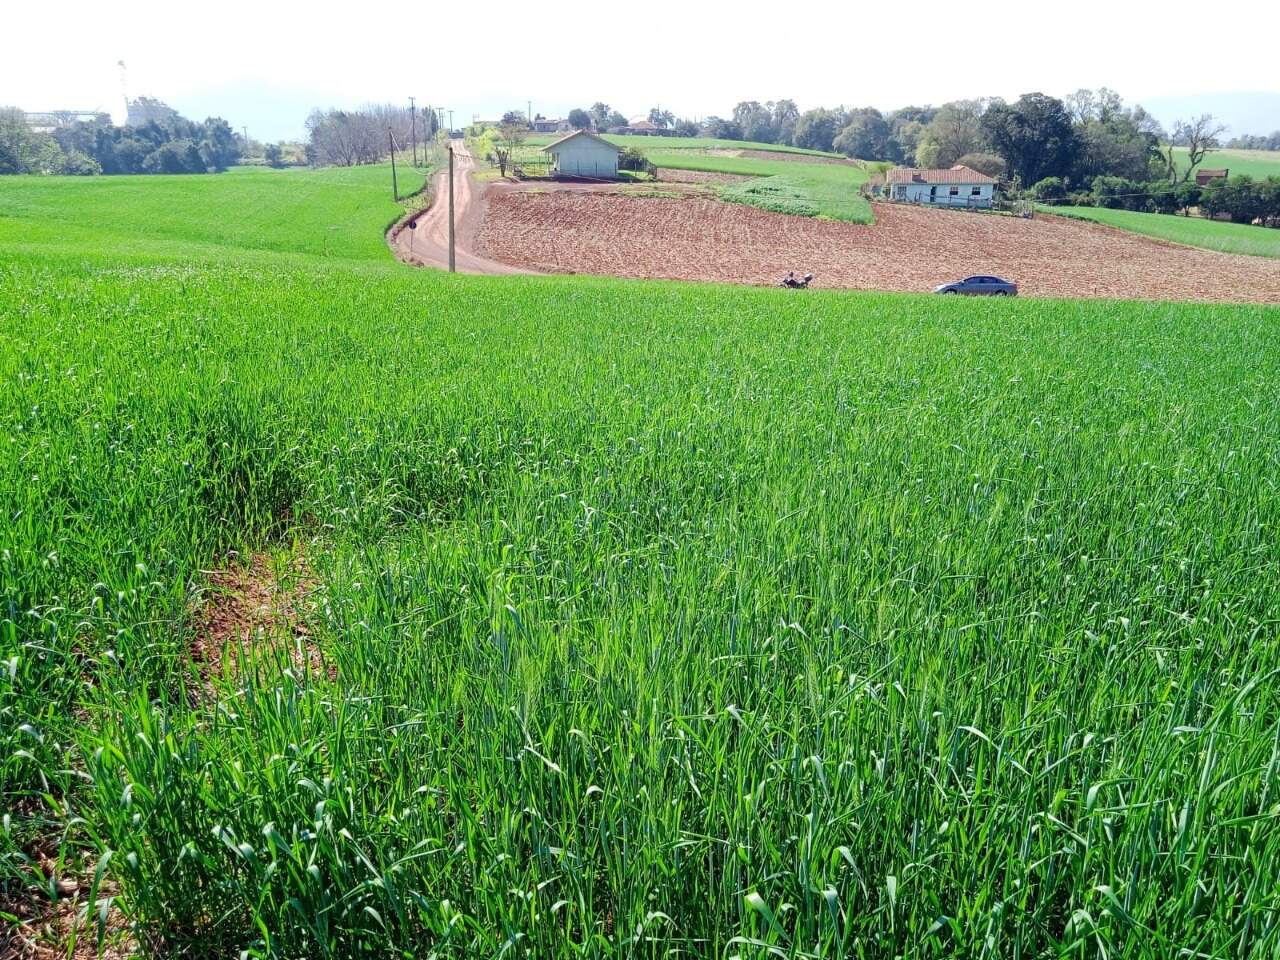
(426, 242)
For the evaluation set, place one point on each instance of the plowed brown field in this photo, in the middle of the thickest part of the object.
(908, 248)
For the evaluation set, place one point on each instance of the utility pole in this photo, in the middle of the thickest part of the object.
(529, 113)
(452, 264)
(391, 142)
(413, 126)
(450, 122)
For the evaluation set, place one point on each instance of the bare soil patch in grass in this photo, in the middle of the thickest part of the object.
(907, 249)
(668, 175)
(46, 927)
(246, 606)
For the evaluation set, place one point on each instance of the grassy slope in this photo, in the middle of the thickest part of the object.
(787, 186)
(642, 598)
(1194, 231)
(1255, 163)
(339, 210)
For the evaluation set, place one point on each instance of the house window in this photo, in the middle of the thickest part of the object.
(955, 191)
(977, 192)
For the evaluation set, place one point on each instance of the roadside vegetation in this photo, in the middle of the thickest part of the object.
(1193, 231)
(638, 618)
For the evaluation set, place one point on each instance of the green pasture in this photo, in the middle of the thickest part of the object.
(637, 619)
(1193, 231)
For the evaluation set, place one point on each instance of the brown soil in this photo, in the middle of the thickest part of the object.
(44, 929)
(263, 602)
(796, 157)
(667, 175)
(908, 248)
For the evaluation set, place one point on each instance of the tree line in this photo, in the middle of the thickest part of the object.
(174, 145)
(1086, 148)
(345, 138)
(1255, 142)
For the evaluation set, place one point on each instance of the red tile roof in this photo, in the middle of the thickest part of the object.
(957, 174)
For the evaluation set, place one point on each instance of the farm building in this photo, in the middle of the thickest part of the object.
(583, 154)
(1206, 177)
(959, 186)
(543, 124)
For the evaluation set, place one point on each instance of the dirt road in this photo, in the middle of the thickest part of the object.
(423, 239)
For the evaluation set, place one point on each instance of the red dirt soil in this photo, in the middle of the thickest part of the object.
(907, 249)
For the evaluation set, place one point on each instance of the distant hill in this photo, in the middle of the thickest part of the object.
(1243, 112)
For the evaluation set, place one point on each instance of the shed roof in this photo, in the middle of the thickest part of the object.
(551, 147)
(959, 174)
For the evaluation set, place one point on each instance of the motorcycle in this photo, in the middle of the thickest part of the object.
(792, 282)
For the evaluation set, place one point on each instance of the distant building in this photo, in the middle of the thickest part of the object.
(640, 127)
(583, 154)
(959, 186)
(48, 121)
(144, 110)
(546, 125)
(1205, 177)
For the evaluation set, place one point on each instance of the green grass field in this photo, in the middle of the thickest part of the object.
(785, 186)
(650, 619)
(338, 211)
(669, 144)
(1256, 163)
(1193, 231)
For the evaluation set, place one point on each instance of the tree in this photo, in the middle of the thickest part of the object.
(218, 145)
(785, 116)
(1034, 135)
(1115, 141)
(579, 119)
(867, 136)
(273, 155)
(511, 133)
(755, 120)
(988, 163)
(1050, 188)
(956, 129)
(17, 142)
(345, 138)
(77, 164)
(1199, 136)
(662, 119)
(686, 128)
(720, 129)
(176, 156)
(816, 129)
(600, 114)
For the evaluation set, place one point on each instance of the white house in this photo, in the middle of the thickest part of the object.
(959, 186)
(583, 154)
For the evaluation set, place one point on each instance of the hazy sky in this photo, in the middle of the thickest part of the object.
(264, 64)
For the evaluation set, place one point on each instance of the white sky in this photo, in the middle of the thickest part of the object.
(264, 64)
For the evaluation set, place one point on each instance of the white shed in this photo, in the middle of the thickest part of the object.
(959, 186)
(583, 154)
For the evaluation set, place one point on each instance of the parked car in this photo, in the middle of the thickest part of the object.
(981, 286)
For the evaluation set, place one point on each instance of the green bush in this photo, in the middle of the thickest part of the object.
(1050, 188)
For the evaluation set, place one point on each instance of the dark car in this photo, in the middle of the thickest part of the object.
(981, 286)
